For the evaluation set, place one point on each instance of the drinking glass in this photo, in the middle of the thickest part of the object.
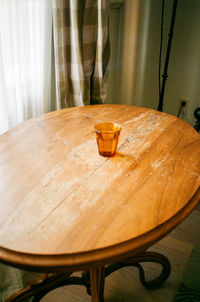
(107, 135)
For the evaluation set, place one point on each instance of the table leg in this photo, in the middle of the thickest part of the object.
(94, 279)
(97, 277)
(135, 261)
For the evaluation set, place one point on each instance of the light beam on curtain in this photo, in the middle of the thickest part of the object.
(81, 51)
(25, 60)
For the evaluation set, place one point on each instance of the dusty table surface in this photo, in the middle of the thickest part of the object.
(60, 197)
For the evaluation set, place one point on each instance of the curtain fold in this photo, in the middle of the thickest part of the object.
(25, 60)
(80, 46)
(81, 41)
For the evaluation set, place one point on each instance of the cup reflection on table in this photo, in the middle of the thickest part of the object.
(107, 138)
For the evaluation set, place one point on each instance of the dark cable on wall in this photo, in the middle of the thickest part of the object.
(183, 104)
(161, 45)
(165, 75)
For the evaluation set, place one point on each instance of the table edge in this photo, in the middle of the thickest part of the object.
(98, 257)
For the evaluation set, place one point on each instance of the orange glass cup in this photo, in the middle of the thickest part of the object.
(107, 135)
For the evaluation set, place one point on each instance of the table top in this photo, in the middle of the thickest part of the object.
(64, 205)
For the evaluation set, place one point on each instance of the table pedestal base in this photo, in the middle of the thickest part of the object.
(94, 279)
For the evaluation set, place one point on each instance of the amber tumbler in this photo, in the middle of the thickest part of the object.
(107, 138)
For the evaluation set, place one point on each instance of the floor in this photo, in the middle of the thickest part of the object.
(124, 285)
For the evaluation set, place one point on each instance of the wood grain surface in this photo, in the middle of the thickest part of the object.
(64, 205)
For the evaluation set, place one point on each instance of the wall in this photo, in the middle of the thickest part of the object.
(138, 76)
(116, 18)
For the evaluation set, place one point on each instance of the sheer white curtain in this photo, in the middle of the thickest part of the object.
(25, 60)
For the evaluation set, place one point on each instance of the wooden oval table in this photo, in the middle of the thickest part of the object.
(65, 208)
